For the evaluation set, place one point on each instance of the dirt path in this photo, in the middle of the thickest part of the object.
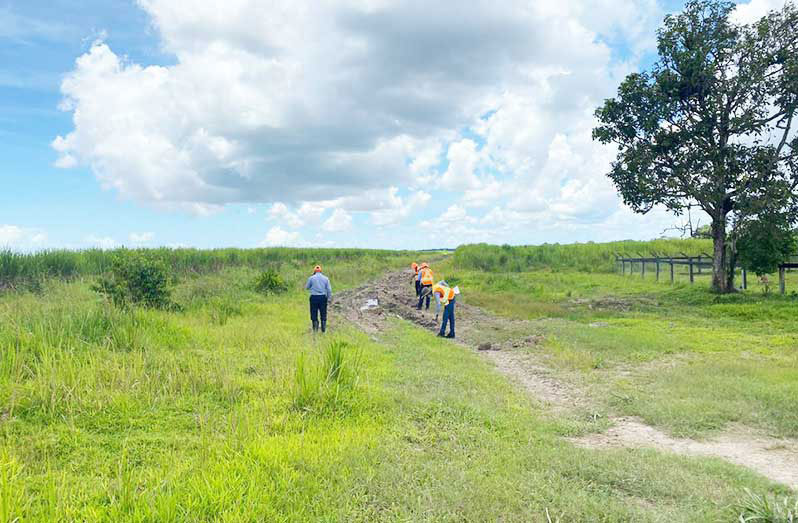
(504, 341)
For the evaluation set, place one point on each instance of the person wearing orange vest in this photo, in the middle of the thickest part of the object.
(416, 280)
(426, 281)
(444, 296)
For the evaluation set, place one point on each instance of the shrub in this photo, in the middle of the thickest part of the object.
(764, 244)
(135, 280)
(269, 282)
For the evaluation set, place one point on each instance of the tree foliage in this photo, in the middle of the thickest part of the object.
(135, 280)
(711, 124)
(765, 243)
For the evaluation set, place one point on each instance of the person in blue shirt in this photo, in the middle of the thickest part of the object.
(320, 294)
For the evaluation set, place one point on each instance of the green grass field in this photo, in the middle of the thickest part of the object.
(228, 409)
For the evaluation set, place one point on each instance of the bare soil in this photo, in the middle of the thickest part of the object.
(510, 344)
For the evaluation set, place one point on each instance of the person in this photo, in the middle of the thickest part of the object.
(416, 279)
(426, 280)
(320, 293)
(444, 297)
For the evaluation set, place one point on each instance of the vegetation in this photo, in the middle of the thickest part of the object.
(135, 280)
(765, 244)
(710, 123)
(28, 270)
(680, 357)
(270, 282)
(584, 257)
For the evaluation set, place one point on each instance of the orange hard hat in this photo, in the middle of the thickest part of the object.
(424, 265)
(414, 265)
(316, 269)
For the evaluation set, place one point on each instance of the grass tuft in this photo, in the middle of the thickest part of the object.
(764, 508)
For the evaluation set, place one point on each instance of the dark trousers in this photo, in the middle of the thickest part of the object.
(421, 296)
(418, 288)
(448, 315)
(318, 307)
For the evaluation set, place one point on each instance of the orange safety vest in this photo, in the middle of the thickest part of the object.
(444, 292)
(426, 277)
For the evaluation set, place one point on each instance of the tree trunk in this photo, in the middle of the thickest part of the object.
(720, 282)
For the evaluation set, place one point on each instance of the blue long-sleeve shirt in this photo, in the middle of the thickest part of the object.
(319, 285)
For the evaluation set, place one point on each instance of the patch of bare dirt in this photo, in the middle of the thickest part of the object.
(776, 459)
(510, 344)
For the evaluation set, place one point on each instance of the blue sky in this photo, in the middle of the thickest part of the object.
(397, 126)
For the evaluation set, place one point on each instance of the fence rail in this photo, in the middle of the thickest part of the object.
(695, 266)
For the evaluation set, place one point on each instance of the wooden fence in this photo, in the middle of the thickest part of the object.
(696, 265)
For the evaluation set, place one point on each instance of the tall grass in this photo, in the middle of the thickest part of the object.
(586, 257)
(768, 509)
(18, 269)
(327, 385)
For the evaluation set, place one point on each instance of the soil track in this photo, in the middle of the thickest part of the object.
(507, 344)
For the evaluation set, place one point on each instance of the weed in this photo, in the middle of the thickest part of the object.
(135, 280)
(328, 385)
(765, 508)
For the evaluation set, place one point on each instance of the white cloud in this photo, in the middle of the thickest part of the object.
(281, 213)
(339, 221)
(463, 160)
(277, 237)
(752, 11)
(16, 237)
(100, 242)
(141, 237)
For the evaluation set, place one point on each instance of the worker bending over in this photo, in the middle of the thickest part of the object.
(426, 279)
(444, 296)
(320, 294)
(416, 280)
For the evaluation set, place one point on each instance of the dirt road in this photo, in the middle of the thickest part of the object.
(510, 345)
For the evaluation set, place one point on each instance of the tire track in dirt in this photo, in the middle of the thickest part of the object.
(502, 341)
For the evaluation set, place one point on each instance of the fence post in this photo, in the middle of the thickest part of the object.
(690, 264)
(643, 268)
(657, 262)
(782, 270)
(745, 279)
(671, 269)
(699, 264)
(623, 266)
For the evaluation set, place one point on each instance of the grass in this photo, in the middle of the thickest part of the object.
(229, 409)
(676, 355)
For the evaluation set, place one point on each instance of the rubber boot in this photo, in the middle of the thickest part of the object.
(315, 326)
(323, 325)
(450, 335)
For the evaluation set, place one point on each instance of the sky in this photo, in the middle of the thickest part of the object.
(358, 123)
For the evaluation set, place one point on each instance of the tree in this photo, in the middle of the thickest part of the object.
(765, 243)
(711, 124)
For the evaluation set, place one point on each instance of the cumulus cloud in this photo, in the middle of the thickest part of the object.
(331, 110)
(277, 237)
(281, 213)
(339, 221)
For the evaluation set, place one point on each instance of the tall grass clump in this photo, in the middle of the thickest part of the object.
(762, 508)
(584, 257)
(270, 282)
(327, 384)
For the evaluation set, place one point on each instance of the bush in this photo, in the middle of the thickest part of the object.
(269, 282)
(135, 280)
(765, 244)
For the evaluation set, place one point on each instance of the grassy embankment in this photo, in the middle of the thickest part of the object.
(228, 410)
(683, 359)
